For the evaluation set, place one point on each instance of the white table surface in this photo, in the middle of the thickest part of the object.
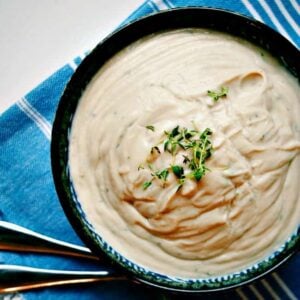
(37, 37)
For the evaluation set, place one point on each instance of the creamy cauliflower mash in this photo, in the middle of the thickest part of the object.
(184, 153)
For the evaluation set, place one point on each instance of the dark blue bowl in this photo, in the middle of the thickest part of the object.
(216, 19)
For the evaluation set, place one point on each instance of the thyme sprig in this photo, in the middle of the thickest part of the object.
(202, 150)
(216, 95)
(160, 174)
(146, 184)
(198, 148)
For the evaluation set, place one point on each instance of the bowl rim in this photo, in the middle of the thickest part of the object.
(262, 35)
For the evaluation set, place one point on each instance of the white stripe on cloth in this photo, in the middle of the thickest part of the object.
(36, 117)
(282, 284)
(153, 7)
(160, 4)
(14, 296)
(83, 55)
(252, 11)
(270, 13)
(73, 65)
(269, 289)
(296, 6)
(256, 292)
(241, 294)
(169, 3)
(287, 16)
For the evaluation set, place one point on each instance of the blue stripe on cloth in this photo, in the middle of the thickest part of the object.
(265, 10)
(44, 98)
(153, 5)
(144, 10)
(284, 22)
(238, 5)
(265, 17)
(168, 3)
(35, 117)
(294, 10)
(10, 122)
(77, 60)
(27, 194)
(161, 4)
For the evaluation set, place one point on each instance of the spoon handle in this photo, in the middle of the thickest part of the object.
(19, 278)
(17, 238)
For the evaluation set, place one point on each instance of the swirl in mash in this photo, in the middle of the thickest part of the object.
(240, 211)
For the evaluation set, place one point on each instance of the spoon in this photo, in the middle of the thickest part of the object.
(17, 238)
(19, 278)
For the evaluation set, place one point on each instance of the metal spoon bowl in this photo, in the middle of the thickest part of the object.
(15, 278)
(17, 238)
(19, 278)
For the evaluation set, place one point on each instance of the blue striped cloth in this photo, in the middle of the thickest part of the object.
(27, 195)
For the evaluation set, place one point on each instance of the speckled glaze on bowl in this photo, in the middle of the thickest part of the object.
(216, 19)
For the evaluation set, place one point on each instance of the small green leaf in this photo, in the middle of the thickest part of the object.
(162, 174)
(166, 145)
(216, 95)
(150, 127)
(175, 131)
(198, 153)
(146, 184)
(178, 171)
(205, 133)
(173, 147)
(198, 173)
(181, 145)
(192, 165)
(188, 135)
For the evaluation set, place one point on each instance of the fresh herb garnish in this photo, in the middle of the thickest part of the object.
(201, 152)
(178, 171)
(175, 131)
(186, 159)
(150, 127)
(216, 95)
(146, 184)
(198, 148)
(178, 138)
(162, 174)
